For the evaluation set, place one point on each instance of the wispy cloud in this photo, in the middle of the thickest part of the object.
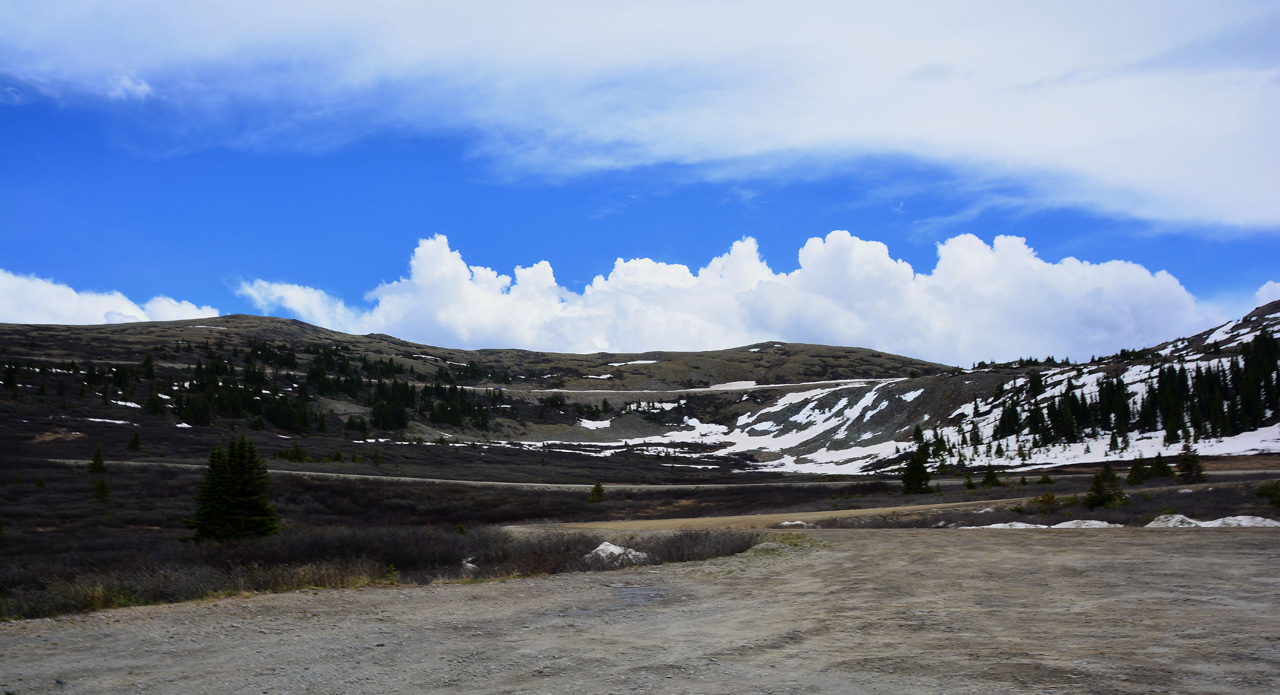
(1156, 110)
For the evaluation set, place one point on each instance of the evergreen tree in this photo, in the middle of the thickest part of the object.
(135, 442)
(968, 482)
(1045, 480)
(990, 479)
(1098, 495)
(100, 493)
(1109, 475)
(154, 404)
(597, 494)
(1160, 468)
(1138, 472)
(232, 502)
(915, 475)
(1190, 470)
(98, 465)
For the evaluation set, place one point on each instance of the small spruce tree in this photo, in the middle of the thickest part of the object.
(101, 494)
(1098, 495)
(915, 475)
(1160, 468)
(1045, 480)
(98, 465)
(1190, 469)
(990, 479)
(597, 494)
(1138, 472)
(232, 502)
(135, 442)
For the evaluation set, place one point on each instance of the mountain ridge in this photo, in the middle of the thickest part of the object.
(770, 405)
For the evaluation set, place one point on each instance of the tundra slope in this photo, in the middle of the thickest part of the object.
(773, 406)
(1216, 390)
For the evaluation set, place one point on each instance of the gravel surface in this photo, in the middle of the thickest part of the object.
(865, 611)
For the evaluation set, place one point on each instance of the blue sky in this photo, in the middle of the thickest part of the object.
(656, 172)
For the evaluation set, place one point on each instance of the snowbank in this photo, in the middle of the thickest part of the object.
(1180, 521)
(1086, 523)
(616, 554)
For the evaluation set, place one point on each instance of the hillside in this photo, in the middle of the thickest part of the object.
(655, 416)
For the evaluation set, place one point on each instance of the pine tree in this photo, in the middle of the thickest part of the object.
(100, 493)
(990, 479)
(1138, 472)
(1098, 495)
(915, 475)
(1109, 475)
(232, 502)
(135, 442)
(597, 494)
(98, 465)
(1160, 468)
(1190, 470)
(154, 404)
(1045, 480)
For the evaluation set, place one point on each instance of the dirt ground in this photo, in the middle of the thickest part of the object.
(867, 611)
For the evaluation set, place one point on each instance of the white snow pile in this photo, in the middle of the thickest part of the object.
(1075, 523)
(1180, 521)
(1086, 523)
(1011, 524)
(616, 555)
(794, 524)
(595, 424)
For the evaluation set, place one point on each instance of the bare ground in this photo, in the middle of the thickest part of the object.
(868, 611)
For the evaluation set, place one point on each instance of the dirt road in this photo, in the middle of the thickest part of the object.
(884, 611)
(764, 521)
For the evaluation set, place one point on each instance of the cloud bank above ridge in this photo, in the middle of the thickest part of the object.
(980, 302)
(1160, 111)
(29, 299)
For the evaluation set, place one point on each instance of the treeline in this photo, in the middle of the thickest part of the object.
(214, 391)
(440, 402)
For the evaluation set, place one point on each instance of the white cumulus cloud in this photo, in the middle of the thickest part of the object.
(980, 302)
(29, 299)
(1268, 293)
(1156, 109)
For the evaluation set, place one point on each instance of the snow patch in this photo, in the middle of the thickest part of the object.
(595, 424)
(1180, 521)
(616, 554)
(1086, 523)
(908, 397)
(624, 364)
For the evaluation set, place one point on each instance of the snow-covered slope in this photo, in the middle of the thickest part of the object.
(1168, 394)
